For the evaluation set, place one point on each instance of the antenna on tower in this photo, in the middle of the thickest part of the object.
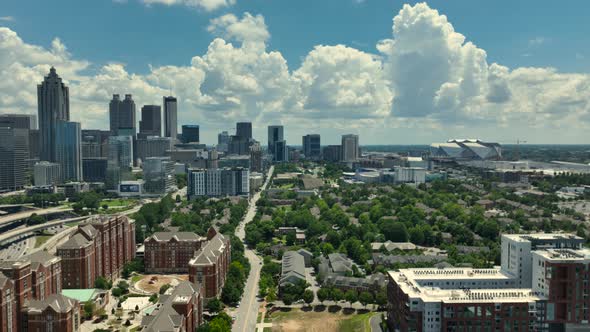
(518, 142)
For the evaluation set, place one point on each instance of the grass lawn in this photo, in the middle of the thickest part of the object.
(41, 239)
(297, 320)
(136, 278)
(258, 317)
(287, 186)
(72, 224)
(117, 202)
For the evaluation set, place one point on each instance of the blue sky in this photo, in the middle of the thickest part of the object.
(521, 70)
(515, 33)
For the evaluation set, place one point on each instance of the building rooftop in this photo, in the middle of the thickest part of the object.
(434, 294)
(57, 302)
(292, 266)
(178, 236)
(542, 237)
(454, 273)
(562, 255)
(211, 250)
(81, 295)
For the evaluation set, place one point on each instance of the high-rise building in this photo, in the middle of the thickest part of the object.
(256, 161)
(350, 148)
(94, 169)
(223, 141)
(275, 134)
(239, 145)
(311, 146)
(170, 117)
(281, 151)
(120, 160)
(190, 133)
(218, 182)
(53, 100)
(153, 146)
(151, 121)
(14, 153)
(122, 115)
(46, 173)
(95, 143)
(18, 121)
(332, 153)
(244, 130)
(158, 174)
(68, 140)
(34, 144)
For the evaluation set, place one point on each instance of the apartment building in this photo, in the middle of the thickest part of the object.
(170, 252)
(210, 265)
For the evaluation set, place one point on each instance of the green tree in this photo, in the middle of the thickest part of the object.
(337, 295)
(215, 305)
(153, 298)
(102, 283)
(288, 299)
(272, 294)
(308, 296)
(88, 309)
(365, 298)
(393, 230)
(381, 299)
(323, 294)
(291, 238)
(164, 288)
(351, 297)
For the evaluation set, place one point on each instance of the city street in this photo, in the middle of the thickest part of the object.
(248, 311)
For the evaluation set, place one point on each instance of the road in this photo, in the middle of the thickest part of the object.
(248, 311)
(27, 214)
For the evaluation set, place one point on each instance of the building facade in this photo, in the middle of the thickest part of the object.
(170, 252)
(100, 247)
(153, 146)
(244, 130)
(210, 265)
(158, 174)
(180, 311)
(218, 182)
(94, 169)
(56, 313)
(122, 115)
(190, 133)
(68, 140)
(332, 153)
(53, 101)
(350, 148)
(18, 121)
(151, 121)
(14, 155)
(170, 117)
(275, 134)
(312, 146)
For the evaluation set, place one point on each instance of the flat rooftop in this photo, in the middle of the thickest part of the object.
(435, 294)
(542, 237)
(454, 273)
(569, 255)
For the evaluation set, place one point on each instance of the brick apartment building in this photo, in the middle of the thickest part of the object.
(100, 247)
(542, 285)
(8, 313)
(55, 313)
(210, 265)
(182, 310)
(33, 277)
(170, 252)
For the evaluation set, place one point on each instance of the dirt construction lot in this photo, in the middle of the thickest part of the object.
(297, 320)
(152, 282)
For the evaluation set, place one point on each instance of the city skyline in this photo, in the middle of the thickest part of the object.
(387, 95)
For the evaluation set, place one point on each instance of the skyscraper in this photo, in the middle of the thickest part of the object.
(53, 102)
(350, 148)
(244, 130)
(190, 133)
(275, 134)
(14, 152)
(20, 121)
(122, 115)
(68, 141)
(151, 121)
(222, 141)
(281, 151)
(170, 117)
(312, 146)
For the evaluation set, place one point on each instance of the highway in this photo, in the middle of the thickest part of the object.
(26, 214)
(247, 313)
(4, 237)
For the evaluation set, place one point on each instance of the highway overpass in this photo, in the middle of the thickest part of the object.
(10, 236)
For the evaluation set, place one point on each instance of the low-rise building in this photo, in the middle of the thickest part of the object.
(292, 268)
